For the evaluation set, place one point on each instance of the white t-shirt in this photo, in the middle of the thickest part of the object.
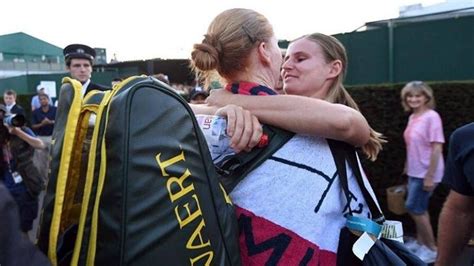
(296, 192)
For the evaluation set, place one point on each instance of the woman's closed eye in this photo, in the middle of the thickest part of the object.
(300, 59)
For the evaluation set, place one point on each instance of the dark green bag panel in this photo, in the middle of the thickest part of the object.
(66, 96)
(79, 132)
(161, 202)
(95, 99)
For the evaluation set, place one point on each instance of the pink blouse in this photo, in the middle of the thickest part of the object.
(419, 134)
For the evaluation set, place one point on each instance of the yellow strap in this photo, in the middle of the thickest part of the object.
(88, 95)
(98, 109)
(226, 196)
(68, 143)
(100, 184)
(70, 212)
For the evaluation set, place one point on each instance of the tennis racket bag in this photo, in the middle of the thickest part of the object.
(142, 191)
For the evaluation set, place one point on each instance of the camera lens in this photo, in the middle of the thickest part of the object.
(16, 120)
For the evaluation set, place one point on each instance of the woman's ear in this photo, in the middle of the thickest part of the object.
(264, 53)
(336, 68)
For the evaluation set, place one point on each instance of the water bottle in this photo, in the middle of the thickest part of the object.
(214, 129)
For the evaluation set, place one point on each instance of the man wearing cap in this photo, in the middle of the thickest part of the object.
(79, 58)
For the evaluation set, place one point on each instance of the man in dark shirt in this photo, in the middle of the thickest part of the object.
(9, 97)
(456, 221)
(43, 117)
(43, 120)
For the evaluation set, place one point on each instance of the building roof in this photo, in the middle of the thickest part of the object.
(22, 43)
(469, 11)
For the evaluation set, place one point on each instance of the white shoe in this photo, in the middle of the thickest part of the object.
(426, 254)
(412, 245)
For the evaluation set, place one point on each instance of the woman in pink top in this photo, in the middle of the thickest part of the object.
(424, 162)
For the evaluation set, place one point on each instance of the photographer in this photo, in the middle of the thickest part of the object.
(18, 173)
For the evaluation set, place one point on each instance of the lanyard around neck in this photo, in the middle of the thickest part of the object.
(7, 155)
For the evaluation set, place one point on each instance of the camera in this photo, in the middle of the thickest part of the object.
(15, 120)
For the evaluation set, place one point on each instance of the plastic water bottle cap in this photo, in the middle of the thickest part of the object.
(263, 141)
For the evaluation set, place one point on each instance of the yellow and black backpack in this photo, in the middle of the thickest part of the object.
(132, 182)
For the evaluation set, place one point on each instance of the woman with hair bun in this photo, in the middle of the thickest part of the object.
(291, 208)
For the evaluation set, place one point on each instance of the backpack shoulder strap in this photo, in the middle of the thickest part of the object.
(237, 167)
(339, 156)
(377, 215)
(341, 152)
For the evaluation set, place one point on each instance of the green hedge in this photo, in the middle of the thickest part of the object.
(381, 106)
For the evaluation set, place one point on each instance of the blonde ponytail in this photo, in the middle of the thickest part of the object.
(372, 148)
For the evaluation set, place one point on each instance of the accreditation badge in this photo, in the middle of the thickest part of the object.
(17, 177)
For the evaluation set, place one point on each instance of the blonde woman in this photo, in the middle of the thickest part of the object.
(290, 208)
(424, 163)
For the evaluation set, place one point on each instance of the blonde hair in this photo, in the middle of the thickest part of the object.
(334, 50)
(228, 43)
(417, 87)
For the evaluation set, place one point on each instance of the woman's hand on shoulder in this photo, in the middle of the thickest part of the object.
(244, 128)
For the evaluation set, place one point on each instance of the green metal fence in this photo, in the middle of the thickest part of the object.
(435, 50)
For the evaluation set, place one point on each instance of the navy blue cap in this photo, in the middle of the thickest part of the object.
(78, 51)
